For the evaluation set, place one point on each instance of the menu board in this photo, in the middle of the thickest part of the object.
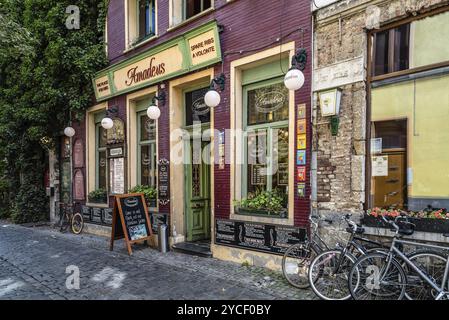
(117, 175)
(257, 236)
(130, 220)
(163, 185)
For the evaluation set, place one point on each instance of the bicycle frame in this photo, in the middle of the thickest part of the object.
(394, 250)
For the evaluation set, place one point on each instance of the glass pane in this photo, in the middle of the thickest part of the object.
(147, 128)
(147, 165)
(268, 104)
(102, 164)
(280, 159)
(401, 47)
(102, 136)
(381, 47)
(193, 7)
(257, 160)
(196, 109)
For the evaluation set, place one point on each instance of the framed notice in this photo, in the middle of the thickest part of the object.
(301, 190)
(301, 157)
(282, 174)
(301, 126)
(302, 142)
(301, 173)
(258, 175)
(117, 175)
(302, 111)
(379, 166)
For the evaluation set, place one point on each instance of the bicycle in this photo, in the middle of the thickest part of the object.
(381, 275)
(297, 258)
(328, 272)
(68, 218)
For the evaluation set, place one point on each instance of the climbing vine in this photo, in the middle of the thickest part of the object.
(45, 76)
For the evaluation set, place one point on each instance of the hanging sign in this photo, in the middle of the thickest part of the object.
(130, 220)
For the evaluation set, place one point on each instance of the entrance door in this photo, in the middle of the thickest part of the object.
(197, 166)
(197, 190)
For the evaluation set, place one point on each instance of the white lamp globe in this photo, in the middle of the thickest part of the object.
(153, 112)
(69, 132)
(107, 123)
(212, 98)
(294, 79)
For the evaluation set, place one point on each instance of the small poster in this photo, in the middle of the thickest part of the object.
(301, 126)
(138, 232)
(376, 145)
(301, 157)
(283, 174)
(301, 174)
(302, 141)
(379, 166)
(302, 111)
(301, 190)
(258, 175)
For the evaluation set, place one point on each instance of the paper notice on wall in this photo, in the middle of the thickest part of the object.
(376, 145)
(379, 166)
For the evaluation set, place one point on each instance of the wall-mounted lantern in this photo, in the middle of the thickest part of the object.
(107, 122)
(294, 79)
(153, 111)
(212, 97)
(330, 101)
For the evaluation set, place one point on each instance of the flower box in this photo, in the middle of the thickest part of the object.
(421, 224)
(261, 212)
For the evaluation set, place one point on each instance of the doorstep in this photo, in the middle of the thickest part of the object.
(199, 248)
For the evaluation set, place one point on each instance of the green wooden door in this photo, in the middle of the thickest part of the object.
(197, 192)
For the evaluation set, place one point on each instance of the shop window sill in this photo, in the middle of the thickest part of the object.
(97, 204)
(140, 43)
(421, 224)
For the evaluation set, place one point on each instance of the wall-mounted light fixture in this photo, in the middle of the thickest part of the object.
(330, 101)
(153, 111)
(212, 97)
(294, 79)
(107, 122)
(69, 131)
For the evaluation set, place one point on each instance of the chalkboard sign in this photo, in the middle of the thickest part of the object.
(130, 220)
(256, 236)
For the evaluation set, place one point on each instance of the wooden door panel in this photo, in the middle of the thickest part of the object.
(390, 191)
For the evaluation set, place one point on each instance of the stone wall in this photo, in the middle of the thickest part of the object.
(340, 60)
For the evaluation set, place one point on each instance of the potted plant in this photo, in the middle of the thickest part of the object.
(427, 220)
(149, 192)
(98, 196)
(262, 202)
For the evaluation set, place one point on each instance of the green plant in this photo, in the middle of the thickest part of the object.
(149, 192)
(271, 201)
(98, 196)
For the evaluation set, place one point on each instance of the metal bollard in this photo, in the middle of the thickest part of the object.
(162, 238)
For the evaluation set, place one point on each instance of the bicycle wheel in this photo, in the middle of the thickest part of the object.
(370, 279)
(431, 263)
(77, 223)
(328, 275)
(296, 262)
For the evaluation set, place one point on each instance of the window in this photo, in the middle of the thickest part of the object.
(100, 157)
(196, 109)
(391, 50)
(186, 9)
(194, 7)
(267, 139)
(141, 20)
(147, 169)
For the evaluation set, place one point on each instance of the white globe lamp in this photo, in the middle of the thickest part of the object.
(107, 123)
(212, 99)
(294, 79)
(69, 132)
(153, 112)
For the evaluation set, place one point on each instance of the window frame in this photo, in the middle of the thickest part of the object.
(269, 127)
(98, 150)
(152, 18)
(153, 146)
(184, 9)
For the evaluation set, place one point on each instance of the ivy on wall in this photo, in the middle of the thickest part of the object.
(45, 76)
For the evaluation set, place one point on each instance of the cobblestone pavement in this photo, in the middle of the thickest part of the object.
(33, 264)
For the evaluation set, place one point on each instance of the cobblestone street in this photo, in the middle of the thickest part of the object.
(33, 264)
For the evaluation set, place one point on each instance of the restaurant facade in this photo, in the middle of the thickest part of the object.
(230, 181)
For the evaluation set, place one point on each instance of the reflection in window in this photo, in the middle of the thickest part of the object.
(101, 161)
(147, 150)
(194, 7)
(196, 109)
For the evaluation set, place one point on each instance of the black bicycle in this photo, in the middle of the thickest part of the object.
(68, 218)
(328, 272)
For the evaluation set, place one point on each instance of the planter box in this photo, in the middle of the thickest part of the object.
(258, 212)
(422, 224)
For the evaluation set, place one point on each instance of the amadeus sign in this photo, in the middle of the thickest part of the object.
(191, 51)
